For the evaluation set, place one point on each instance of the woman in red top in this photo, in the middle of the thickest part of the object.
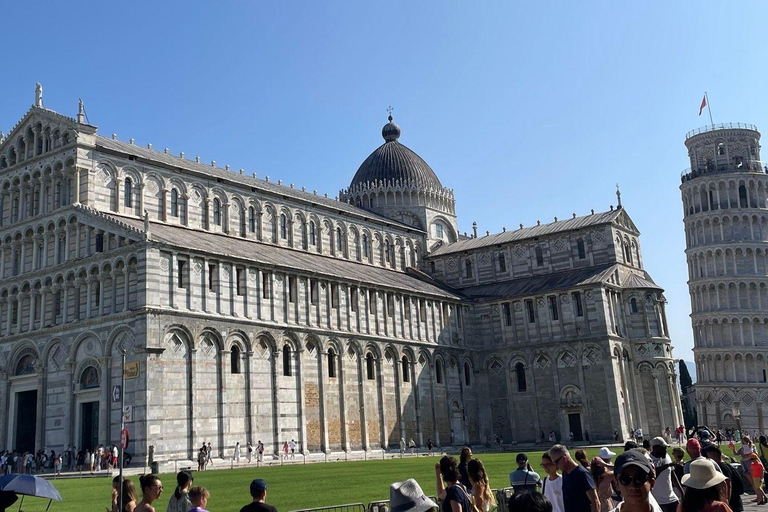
(702, 492)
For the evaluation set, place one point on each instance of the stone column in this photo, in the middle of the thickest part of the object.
(105, 406)
(65, 305)
(398, 399)
(69, 403)
(77, 185)
(45, 290)
(225, 355)
(321, 383)
(416, 403)
(361, 397)
(248, 395)
(302, 400)
(19, 310)
(88, 295)
(42, 373)
(165, 205)
(5, 395)
(382, 406)
(343, 400)
(433, 402)
(275, 407)
(659, 405)
(126, 286)
(32, 308)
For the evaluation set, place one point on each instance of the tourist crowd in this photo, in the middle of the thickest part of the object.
(649, 476)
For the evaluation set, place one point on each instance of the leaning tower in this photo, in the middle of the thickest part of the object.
(726, 231)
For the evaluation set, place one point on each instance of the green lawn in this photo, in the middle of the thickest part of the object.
(290, 487)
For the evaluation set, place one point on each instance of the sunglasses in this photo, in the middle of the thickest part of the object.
(557, 460)
(638, 479)
(545, 465)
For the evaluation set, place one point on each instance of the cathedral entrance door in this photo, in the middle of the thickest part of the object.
(89, 425)
(574, 424)
(457, 426)
(26, 421)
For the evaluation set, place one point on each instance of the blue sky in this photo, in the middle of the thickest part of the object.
(528, 110)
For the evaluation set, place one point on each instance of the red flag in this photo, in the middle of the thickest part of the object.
(703, 104)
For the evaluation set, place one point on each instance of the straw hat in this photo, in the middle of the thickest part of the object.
(703, 475)
(408, 497)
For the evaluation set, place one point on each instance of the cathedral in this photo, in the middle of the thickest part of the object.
(252, 310)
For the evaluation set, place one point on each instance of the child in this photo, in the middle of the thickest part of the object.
(756, 468)
(199, 498)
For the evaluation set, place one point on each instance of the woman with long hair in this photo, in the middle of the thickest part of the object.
(151, 489)
(746, 449)
(482, 496)
(581, 457)
(604, 479)
(179, 502)
(702, 488)
(130, 498)
(449, 489)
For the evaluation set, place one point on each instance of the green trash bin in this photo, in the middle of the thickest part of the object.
(154, 468)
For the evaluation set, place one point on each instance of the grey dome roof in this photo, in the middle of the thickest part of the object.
(393, 162)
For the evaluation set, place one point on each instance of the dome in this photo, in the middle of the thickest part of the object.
(393, 162)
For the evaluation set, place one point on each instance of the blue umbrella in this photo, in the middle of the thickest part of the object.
(29, 485)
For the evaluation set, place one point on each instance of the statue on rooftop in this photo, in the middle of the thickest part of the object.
(38, 95)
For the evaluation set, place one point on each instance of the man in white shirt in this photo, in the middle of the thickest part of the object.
(662, 490)
(552, 485)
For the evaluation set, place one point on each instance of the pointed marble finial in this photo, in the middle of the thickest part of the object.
(132, 141)
(618, 194)
(114, 136)
(226, 167)
(38, 95)
(593, 211)
(574, 215)
(538, 223)
(521, 225)
(181, 155)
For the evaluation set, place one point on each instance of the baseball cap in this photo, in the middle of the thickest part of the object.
(659, 441)
(258, 486)
(693, 444)
(705, 434)
(631, 458)
(521, 457)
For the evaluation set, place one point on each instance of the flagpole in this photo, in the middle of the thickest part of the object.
(709, 109)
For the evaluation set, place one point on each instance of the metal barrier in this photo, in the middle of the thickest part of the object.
(502, 498)
(383, 505)
(349, 507)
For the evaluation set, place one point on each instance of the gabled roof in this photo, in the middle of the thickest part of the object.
(282, 257)
(635, 281)
(39, 112)
(535, 285)
(617, 216)
(258, 184)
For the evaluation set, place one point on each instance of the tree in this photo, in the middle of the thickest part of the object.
(685, 378)
(688, 397)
